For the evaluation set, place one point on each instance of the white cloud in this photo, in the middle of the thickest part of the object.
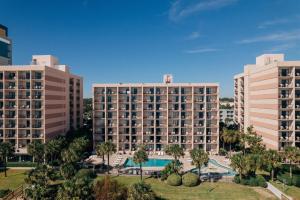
(279, 21)
(280, 48)
(193, 36)
(201, 50)
(180, 9)
(281, 36)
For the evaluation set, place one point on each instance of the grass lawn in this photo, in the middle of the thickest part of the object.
(292, 191)
(15, 177)
(217, 190)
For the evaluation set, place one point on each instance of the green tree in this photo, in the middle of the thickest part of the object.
(110, 148)
(68, 170)
(292, 156)
(176, 151)
(230, 137)
(39, 183)
(101, 151)
(272, 160)
(37, 150)
(6, 150)
(239, 163)
(140, 191)
(53, 149)
(199, 158)
(139, 157)
(79, 187)
(108, 189)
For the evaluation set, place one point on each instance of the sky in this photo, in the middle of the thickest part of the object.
(121, 41)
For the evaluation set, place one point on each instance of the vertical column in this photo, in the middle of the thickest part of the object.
(293, 82)
(130, 121)
(205, 118)
(154, 99)
(118, 115)
(179, 94)
(105, 115)
(193, 115)
(142, 96)
(167, 122)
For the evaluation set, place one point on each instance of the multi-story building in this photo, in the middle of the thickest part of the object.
(239, 100)
(157, 114)
(38, 101)
(226, 115)
(267, 96)
(5, 47)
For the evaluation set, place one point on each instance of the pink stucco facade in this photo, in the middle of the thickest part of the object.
(267, 97)
(38, 101)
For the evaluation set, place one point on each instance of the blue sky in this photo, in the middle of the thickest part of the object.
(140, 40)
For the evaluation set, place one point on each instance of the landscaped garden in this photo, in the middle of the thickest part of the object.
(206, 190)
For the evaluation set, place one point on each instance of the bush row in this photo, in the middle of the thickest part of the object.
(257, 180)
(189, 180)
(285, 178)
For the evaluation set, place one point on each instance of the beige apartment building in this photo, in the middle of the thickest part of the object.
(157, 114)
(267, 96)
(38, 101)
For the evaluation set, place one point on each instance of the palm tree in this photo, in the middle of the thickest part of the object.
(139, 157)
(6, 150)
(176, 151)
(37, 150)
(199, 158)
(100, 151)
(292, 156)
(110, 148)
(53, 149)
(239, 163)
(272, 160)
(230, 136)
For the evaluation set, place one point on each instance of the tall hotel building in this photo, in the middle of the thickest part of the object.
(38, 102)
(267, 96)
(5, 47)
(157, 114)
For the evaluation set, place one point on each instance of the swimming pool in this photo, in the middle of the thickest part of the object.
(150, 163)
(229, 172)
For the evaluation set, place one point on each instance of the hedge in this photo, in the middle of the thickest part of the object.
(174, 180)
(257, 180)
(190, 179)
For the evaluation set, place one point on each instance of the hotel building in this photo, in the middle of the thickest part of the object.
(267, 96)
(38, 102)
(157, 114)
(5, 47)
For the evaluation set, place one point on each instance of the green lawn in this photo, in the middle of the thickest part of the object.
(15, 177)
(292, 191)
(217, 190)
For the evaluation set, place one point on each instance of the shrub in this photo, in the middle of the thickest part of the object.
(174, 180)
(251, 181)
(86, 173)
(223, 152)
(261, 181)
(296, 180)
(141, 191)
(190, 179)
(237, 179)
(285, 178)
(4, 192)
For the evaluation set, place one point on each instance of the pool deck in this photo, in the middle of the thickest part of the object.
(119, 159)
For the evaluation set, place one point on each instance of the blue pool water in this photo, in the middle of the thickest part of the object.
(150, 163)
(230, 172)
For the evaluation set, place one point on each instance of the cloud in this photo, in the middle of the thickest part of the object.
(280, 48)
(181, 9)
(281, 36)
(279, 21)
(193, 36)
(201, 50)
